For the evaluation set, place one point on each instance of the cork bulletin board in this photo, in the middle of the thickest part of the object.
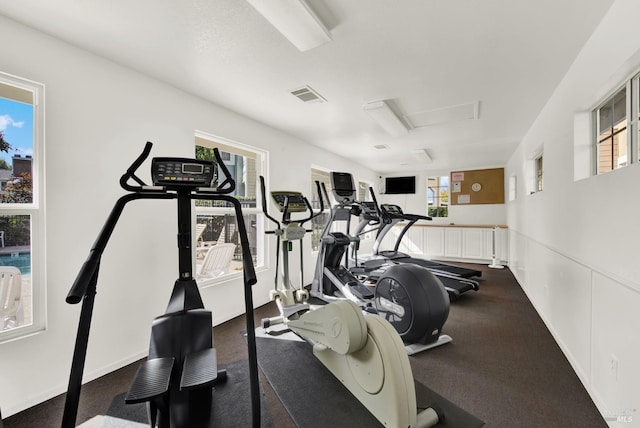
(480, 186)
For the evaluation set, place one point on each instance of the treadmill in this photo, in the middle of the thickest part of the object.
(382, 220)
(395, 215)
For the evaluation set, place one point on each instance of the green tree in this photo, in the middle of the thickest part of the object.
(4, 144)
(4, 165)
(205, 153)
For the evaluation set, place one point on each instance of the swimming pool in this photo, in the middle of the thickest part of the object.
(20, 260)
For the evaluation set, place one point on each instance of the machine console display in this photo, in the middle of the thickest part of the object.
(295, 201)
(393, 210)
(342, 186)
(182, 172)
(368, 211)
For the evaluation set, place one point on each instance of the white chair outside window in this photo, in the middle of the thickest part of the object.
(217, 261)
(11, 310)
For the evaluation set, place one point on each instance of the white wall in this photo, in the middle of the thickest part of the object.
(98, 117)
(574, 246)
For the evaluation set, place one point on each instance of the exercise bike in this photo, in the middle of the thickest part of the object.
(176, 380)
(362, 350)
(410, 297)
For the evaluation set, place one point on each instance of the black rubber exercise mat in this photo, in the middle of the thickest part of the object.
(231, 402)
(315, 398)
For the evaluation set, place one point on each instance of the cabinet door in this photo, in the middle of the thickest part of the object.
(434, 241)
(412, 242)
(473, 243)
(453, 242)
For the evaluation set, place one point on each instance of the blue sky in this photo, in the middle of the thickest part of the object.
(16, 124)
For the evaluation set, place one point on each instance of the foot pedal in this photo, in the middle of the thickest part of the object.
(362, 291)
(299, 308)
(200, 369)
(151, 381)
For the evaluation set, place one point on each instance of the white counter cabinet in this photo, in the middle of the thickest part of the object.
(466, 243)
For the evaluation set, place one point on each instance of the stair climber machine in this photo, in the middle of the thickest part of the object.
(176, 380)
(410, 297)
(362, 350)
(455, 279)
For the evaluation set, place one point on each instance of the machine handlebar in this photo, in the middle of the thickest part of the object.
(131, 171)
(285, 207)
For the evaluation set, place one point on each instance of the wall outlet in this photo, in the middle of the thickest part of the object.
(613, 367)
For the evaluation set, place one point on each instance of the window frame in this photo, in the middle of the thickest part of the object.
(438, 178)
(538, 167)
(35, 210)
(631, 86)
(261, 158)
(316, 226)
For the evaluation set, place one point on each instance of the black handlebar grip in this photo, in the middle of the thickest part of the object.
(79, 287)
(134, 167)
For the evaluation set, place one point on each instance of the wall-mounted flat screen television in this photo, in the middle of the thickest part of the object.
(399, 185)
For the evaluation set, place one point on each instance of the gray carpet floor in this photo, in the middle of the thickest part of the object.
(503, 367)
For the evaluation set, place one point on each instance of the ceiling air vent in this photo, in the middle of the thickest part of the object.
(381, 146)
(308, 95)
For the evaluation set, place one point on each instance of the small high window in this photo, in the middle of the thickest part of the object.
(612, 145)
(539, 174)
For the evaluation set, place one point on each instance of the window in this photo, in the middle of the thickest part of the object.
(216, 220)
(438, 196)
(364, 194)
(612, 145)
(318, 223)
(634, 115)
(539, 172)
(21, 207)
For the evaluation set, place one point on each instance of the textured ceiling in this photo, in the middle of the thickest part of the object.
(422, 54)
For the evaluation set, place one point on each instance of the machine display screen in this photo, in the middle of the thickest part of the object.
(192, 168)
(342, 181)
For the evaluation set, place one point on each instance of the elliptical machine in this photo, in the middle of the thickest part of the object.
(363, 351)
(410, 297)
(290, 302)
(176, 380)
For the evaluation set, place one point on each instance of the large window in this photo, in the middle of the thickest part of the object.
(318, 223)
(22, 287)
(612, 145)
(364, 192)
(218, 250)
(438, 196)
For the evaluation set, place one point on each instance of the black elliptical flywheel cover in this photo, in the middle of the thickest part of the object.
(422, 298)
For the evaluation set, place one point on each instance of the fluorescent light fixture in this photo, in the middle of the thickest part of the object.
(386, 118)
(467, 111)
(422, 155)
(295, 20)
